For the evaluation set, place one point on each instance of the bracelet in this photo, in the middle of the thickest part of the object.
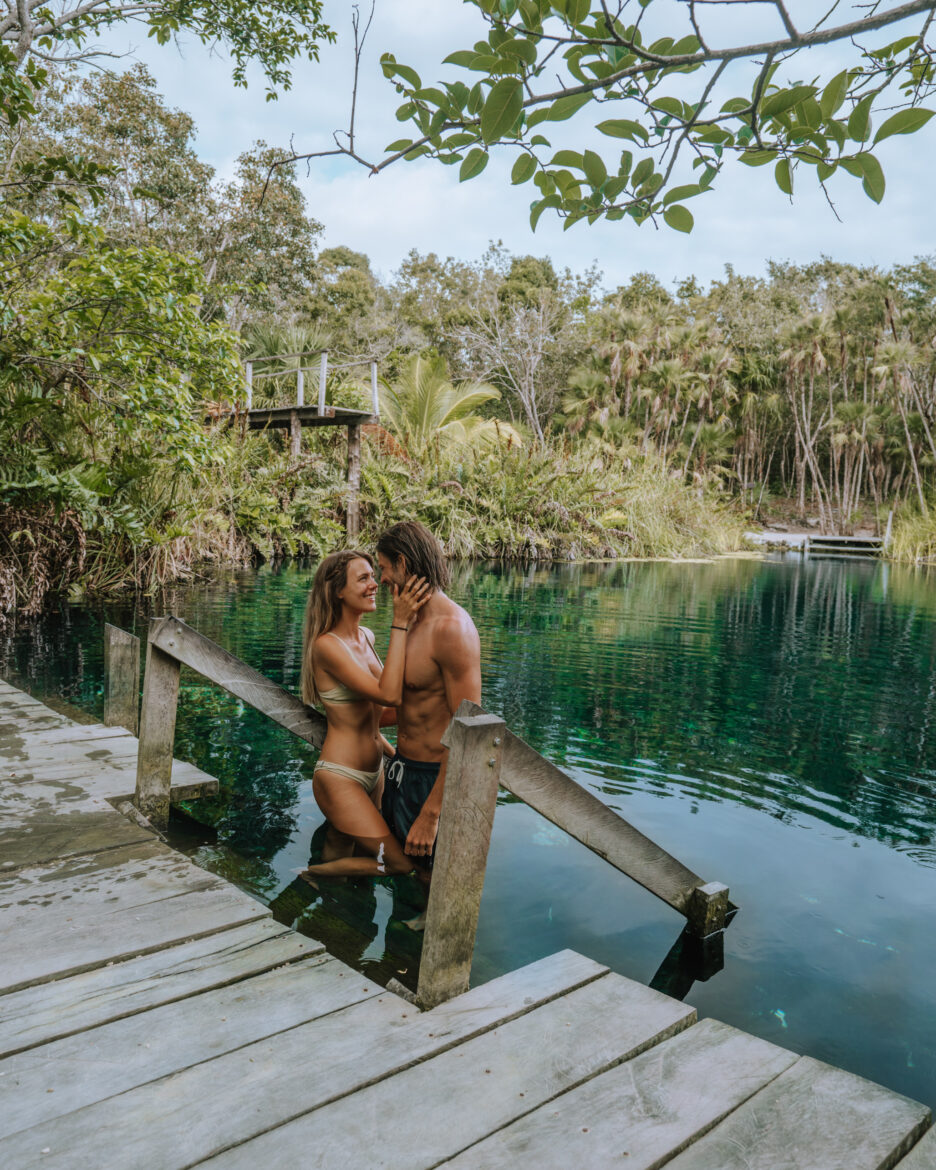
(405, 629)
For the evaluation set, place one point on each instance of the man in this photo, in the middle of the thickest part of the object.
(443, 666)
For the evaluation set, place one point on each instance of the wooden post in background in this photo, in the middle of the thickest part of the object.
(157, 731)
(300, 387)
(295, 435)
(375, 397)
(475, 744)
(323, 375)
(248, 383)
(353, 521)
(121, 679)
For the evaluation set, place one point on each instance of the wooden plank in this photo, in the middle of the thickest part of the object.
(811, 1116)
(193, 649)
(51, 1011)
(641, 1113)
(580, 813)
(57, 1078)
(45, 820)
(923, 1154)
(111, 775)
(196, 1113)
(52, 743)
(69, 916)
(121, 679)
(475, 746)
(157, 732)
(433, 1110)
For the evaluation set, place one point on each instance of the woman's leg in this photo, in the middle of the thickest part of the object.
(353, 813)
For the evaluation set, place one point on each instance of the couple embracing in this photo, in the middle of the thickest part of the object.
(384, 820)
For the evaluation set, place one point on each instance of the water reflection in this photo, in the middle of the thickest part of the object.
(770, 724)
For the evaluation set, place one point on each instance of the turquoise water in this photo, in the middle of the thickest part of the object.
(769, 723)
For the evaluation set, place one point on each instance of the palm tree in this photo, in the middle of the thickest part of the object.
(423, 405)
(266, 342)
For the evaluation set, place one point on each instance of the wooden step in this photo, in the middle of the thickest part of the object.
(51, 1011)
(184, 1118)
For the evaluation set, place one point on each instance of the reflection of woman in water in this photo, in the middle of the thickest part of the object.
(341, 671)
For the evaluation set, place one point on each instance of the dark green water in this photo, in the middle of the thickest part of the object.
(769, 723)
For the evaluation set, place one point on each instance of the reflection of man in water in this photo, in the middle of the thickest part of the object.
(443, 666)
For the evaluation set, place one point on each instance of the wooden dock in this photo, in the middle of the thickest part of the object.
(153, 1016)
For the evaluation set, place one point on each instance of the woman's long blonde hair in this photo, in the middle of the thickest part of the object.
(323, 612)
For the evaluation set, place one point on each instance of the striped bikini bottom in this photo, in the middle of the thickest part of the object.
(367, 780)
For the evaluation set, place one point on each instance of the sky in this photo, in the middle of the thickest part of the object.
(745, 222)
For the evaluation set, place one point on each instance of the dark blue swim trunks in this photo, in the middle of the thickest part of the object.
(407, 783)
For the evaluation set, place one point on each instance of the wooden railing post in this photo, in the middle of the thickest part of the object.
(157, 730)
(121, 679)
(475, 745)
(353, 521)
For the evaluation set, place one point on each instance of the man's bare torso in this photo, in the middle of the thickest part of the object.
(442, 631)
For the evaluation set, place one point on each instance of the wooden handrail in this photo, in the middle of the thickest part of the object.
(482, 754)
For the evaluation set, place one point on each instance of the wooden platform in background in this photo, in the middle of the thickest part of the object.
(153, 1016)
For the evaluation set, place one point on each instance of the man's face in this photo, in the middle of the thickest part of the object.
(391, 574)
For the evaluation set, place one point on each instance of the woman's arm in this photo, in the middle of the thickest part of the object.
(332, 655)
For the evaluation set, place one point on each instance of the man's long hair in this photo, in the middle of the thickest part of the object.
(323, 612)
(423, 553)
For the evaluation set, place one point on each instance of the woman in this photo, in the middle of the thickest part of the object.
(341, 671)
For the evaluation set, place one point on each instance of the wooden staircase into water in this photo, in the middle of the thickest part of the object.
(153, 1016)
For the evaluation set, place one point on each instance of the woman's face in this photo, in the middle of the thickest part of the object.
(360, 588)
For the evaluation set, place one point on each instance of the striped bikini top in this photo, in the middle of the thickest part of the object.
(342, 693)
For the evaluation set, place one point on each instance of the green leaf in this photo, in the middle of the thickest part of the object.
(473, 165)
(785, 99)
(400, 144)
(783, 176)
(577, 10)
(595, 170)
(522, 48)
(463, 57)
(501, 109)
(567, 158)
(685, 192)
(904, 122)
(758, 158)
(537, 208)
(679, 218)
(565, 107)
(642, 172)
(873, 182)
(834, 94)
(623, 128)
(523, 169)
(859, 122)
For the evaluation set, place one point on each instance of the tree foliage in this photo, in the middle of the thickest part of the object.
(633, 108)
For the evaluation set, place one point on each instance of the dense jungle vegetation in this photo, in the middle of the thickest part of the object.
(525, 412)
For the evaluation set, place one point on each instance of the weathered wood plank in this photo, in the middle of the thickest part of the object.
(580, 813)
(51, 1011)
(923, 1154)
(110, 775)
(811, 1116)
(475, 746)
(45, 820)
(461, 1096)
(641, 1113)
(195, 650)
(157, 732)
(121, 679)
(191, 1115)
(57, 1078)
(62, 742)
(68, 916)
